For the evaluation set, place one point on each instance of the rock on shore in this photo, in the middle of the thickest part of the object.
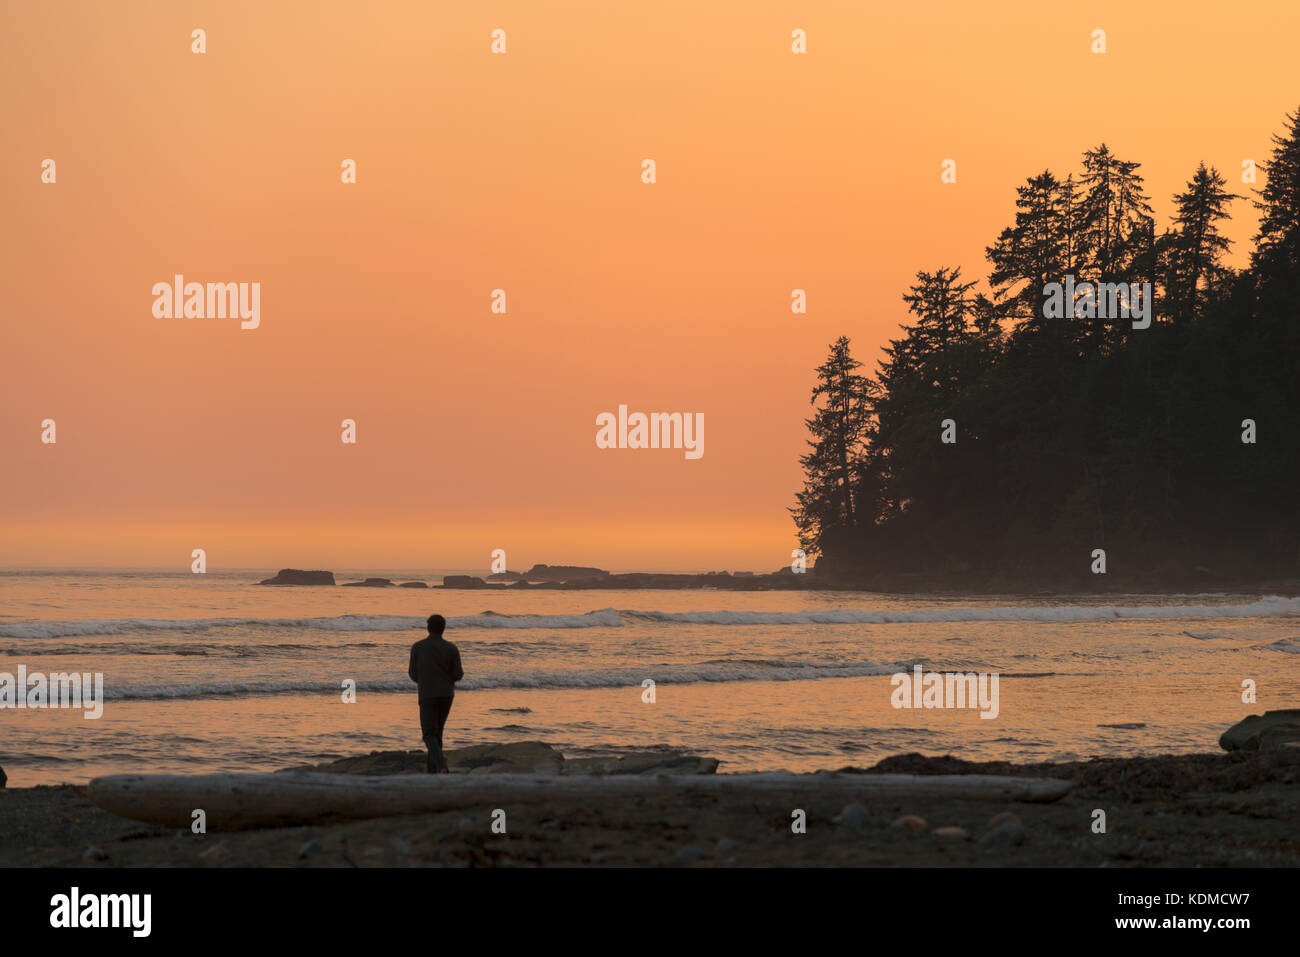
(1264, 732)
(519, 757)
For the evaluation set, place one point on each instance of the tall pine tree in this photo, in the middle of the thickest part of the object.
(1033, 252)
(1118, 233)
(1277, 252)
(834, 468)
(1197, 246)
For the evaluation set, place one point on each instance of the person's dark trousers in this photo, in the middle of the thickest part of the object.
(433, 718)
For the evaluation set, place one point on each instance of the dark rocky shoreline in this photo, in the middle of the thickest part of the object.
(554, 577)
(1229, 809)
(1205, 810)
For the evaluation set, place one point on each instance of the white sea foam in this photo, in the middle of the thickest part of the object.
(719, 671)
(605, 618)
(1267, 607)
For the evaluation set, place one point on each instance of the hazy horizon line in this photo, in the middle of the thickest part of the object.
(450, 569)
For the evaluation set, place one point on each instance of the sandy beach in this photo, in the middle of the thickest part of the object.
(1211, 810)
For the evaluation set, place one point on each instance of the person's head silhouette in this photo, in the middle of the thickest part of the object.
(437, 625)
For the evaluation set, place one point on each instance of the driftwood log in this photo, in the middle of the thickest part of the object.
(234, 802)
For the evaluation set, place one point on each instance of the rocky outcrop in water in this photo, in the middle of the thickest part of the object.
(462, 581)
(563, 573)
(296, 576)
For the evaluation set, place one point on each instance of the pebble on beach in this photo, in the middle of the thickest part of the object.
(951, 833)
(998, 819)
(1005, 830)
(217, 852)
(854, 815)
(912, 823)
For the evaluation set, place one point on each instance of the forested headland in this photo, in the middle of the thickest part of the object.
(1002, 445)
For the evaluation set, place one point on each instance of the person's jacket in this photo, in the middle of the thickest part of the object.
(435, 667)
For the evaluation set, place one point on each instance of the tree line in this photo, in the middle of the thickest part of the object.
(995, 445)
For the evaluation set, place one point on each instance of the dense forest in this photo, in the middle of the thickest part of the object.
(1000, 443)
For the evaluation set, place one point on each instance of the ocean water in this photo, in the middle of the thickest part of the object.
(211, 672)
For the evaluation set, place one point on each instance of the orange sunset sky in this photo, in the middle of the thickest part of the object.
(522, 171)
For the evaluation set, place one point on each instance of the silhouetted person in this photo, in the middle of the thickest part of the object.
(435, 667)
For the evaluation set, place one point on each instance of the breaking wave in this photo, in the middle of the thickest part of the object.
(1267, 607)
(604, 678)
(605, 618)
